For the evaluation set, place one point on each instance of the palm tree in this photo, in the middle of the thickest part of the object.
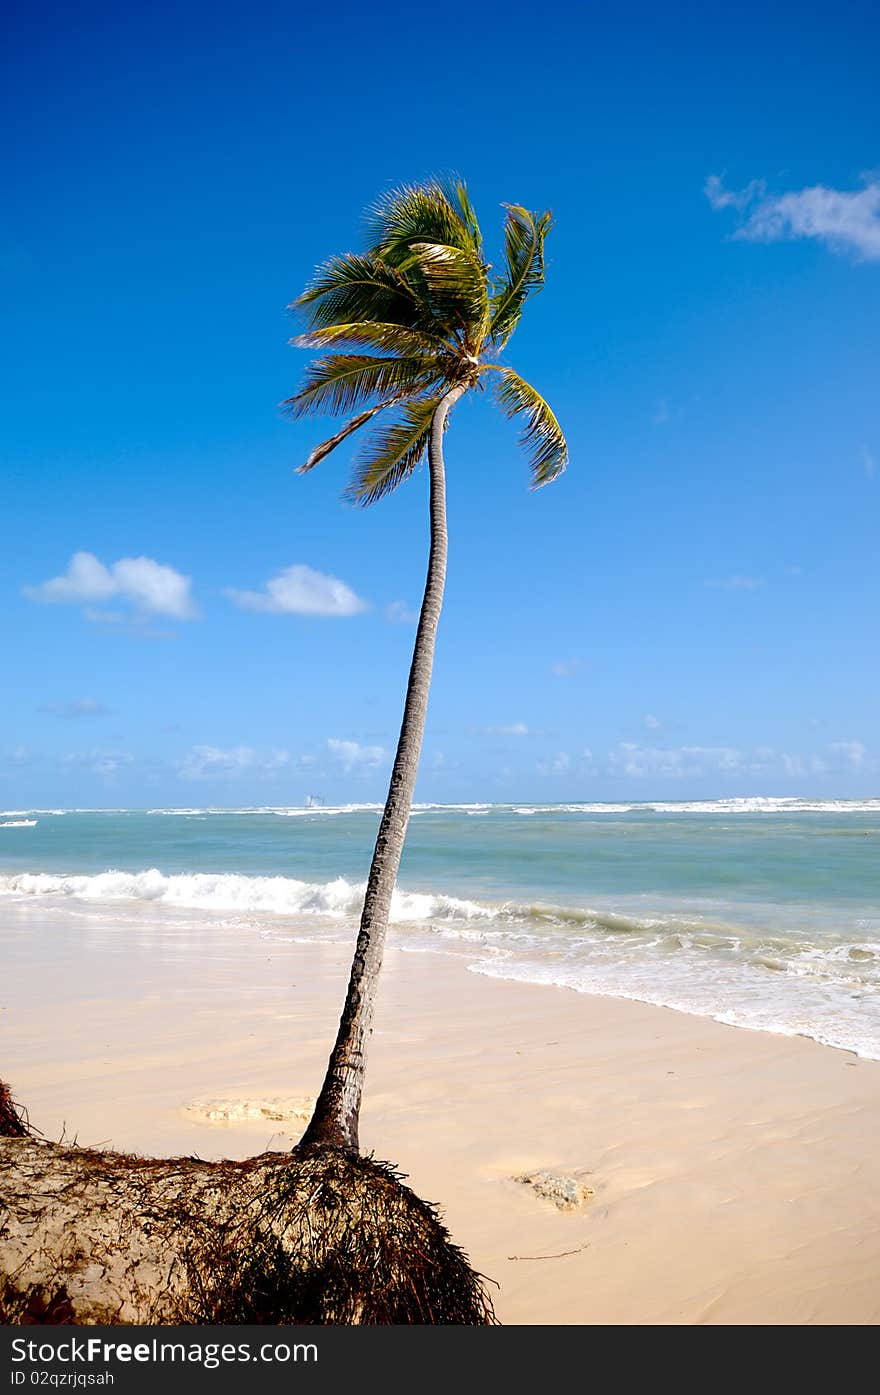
(412, 324)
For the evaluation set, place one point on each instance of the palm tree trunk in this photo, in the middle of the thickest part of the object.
(335, 1120)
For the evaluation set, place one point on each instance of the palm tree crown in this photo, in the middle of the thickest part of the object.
(418, 314)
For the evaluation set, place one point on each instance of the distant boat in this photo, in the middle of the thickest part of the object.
(314, 801)
(19, 823)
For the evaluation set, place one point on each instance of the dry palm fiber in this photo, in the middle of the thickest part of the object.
(314, 1237)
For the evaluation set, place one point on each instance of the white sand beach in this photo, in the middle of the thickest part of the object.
(735, 1175)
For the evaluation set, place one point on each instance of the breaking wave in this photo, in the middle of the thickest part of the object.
(775, 973)
(229, 891)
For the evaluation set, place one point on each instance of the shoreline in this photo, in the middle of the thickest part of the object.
(767, 920)
(817, 1006)
(735, 1174)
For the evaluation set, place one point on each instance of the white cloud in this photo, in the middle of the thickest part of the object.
(351, 755)
(299, 590)
(399, 613)
(660, 415)
(566, 668)
(846, 221)
(653, 723)
(514, 729)
(86, 579)
(154, 588)
(148, 585)
(735, 583)
(869, 462)
(208, 762)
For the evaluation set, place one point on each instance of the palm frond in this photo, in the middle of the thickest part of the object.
(427, 212)
(324, 449)
(372, 334)
(459, 194)
(345, 381)
(351, 288)
(541, 434)
(524, 246)
(393, 452)
(453, 283)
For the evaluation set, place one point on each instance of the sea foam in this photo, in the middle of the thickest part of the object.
(229, 891)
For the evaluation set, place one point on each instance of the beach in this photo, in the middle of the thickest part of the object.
(734, 1174)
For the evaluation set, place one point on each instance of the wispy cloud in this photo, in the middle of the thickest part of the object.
(852, 752)
(628, 758)
(560, 764)
(652, 723)
(79, 707)
(845, 220)
(209, 762)
(399, 613)
(97, 616)
(19, 755)
(720, 197)
(794, 764)
(512, 729)
(735, 583)
(441, 762)
(151, 587)
(678, 762)
(869, 462)
(107, 764)
(566, 668)
(563, 763)
(299, 590)
(351, 755)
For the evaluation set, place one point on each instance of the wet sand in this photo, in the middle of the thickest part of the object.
(735, 1175)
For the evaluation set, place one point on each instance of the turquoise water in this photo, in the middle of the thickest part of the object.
(759, 913)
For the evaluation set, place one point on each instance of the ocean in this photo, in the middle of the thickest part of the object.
(760, 913)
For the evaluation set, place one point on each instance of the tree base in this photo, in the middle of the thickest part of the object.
(315, 1236)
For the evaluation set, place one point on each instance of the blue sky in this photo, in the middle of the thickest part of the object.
(690, 611)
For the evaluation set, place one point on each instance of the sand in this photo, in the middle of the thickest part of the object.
(721, 1175)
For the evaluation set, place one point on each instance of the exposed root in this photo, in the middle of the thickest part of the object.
(12, 1119)
(310, 1237)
